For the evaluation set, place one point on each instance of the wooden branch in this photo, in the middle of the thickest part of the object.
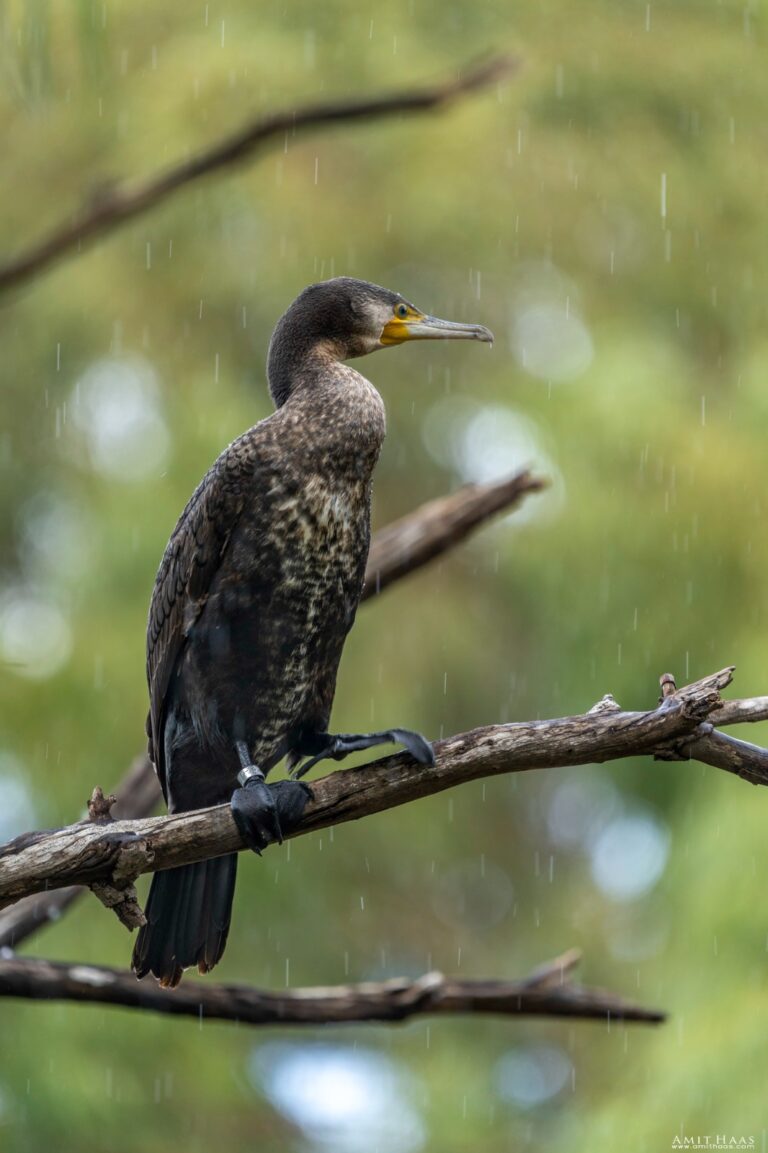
(547, 992)
(396, 550)
(138, 795)
(748, 761)
(86, 853)
(745, 760)
(749, 709)
(415, 539)
(113, 205)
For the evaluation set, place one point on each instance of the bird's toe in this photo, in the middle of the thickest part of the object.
(417, 745)
(291, 799)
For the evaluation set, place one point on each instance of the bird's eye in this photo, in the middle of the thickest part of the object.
(401, 311)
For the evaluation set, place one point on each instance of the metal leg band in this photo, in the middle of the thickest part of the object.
(250, 773)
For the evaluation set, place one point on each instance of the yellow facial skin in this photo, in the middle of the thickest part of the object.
(396, 330)
(408, 323)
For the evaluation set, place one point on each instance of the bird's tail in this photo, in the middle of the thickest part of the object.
(188, 914)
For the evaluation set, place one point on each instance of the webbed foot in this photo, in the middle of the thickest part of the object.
(291, 799)
(264, 812)
(255, 810)
(340, 745)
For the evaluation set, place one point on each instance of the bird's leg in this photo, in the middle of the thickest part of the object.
(319, 746)
(263, 812)
(253, 805)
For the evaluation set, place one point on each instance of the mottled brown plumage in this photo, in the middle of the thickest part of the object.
(255, 595)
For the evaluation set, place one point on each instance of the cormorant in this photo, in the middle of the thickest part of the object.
(256, 592)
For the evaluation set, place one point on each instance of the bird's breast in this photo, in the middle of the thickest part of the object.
(323, 546)
(322, 512)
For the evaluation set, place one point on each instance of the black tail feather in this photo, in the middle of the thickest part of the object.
(188, 914)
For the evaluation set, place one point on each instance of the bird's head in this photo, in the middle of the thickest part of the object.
(348, 318)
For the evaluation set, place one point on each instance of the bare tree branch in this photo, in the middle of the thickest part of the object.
(396, 550)
(114, 205)
(745, 760)
(138, 795)
(23, 919)
(116, 853)
(739, 712)
(547, 992)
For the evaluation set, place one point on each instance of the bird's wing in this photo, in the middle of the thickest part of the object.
(187, 570)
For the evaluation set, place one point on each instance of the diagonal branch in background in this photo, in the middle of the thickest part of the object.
(396, 550)
(547, 992)
(118, 852)
(119, 203)
(414, 540)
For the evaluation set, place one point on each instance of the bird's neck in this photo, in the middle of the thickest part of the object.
(296, 372)
(339, 413)
(298, 358)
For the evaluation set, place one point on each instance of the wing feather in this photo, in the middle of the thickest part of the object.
(191, 560)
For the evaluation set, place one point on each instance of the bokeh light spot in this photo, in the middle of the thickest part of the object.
(350, 1100)
(485, 443)
(579, 808)
(551, 344)
(54, 537)
(629, 855)
(531, 1075)
(17, 813)
(115, 407)
(35, 637)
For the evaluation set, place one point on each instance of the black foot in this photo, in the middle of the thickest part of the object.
(253, 806)
(291, 799)
(256, 815)
(326, 745)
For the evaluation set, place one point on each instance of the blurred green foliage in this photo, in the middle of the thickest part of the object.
(603, 213)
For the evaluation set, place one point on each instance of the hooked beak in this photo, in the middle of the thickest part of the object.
(419, 327)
